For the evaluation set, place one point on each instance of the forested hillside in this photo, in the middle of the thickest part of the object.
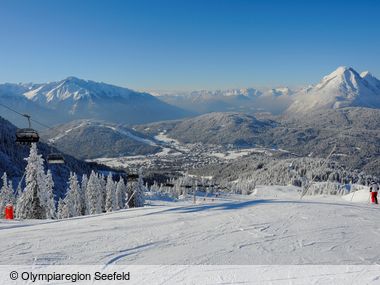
(12, 159)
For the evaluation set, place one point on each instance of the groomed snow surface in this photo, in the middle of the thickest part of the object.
(273, 226)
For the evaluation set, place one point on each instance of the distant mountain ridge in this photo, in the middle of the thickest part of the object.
(250, 100)
(74, 98)
(344, 87)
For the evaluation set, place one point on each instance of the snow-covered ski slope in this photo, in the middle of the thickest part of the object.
(271, 226)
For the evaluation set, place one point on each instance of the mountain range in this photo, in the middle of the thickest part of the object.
(102, 120)
(344, 87)
(251, 100)
(72, 99)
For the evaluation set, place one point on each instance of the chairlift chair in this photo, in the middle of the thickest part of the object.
(27, 135)
(55, 158)
(133, 177)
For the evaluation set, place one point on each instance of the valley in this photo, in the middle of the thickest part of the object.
(177, 158)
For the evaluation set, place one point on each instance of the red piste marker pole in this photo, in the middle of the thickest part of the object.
(9, 212)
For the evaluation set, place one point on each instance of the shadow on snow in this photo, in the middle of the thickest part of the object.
(240, 205)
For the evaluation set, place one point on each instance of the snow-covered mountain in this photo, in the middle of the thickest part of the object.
(73, 90)
(342, 88)
(250, 100)
(88, 139)
(74, 98)
(221, 128)
(372, 80)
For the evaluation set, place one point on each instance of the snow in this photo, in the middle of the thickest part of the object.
(115, 128)
(73, 89)
(272, 227)
(360, 196)
(130, 135)
(238, 153)
(234, 154)
(122, 161)
(342, 88)
(61, 135)
(165, 139)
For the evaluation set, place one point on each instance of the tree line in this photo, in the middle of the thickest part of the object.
(93, 194)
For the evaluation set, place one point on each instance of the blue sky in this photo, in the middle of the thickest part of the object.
(184, 45)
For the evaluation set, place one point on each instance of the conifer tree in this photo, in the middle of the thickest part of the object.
(139, 196)
(49, 196)
(121, 194)
(111, 194)
(94, 195)
(103, 193)
(30, 204)
(73, 199)
(6, 194)
(83, 194)
(62, 211)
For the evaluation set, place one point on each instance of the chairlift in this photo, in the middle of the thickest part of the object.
(55, 158)
(186, 186)
(27, 135)
(133, 177)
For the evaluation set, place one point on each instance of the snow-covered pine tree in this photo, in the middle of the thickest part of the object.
(73, 199)
(30, 204)
(111, 194)
(83, 194)
(121, 194)
(102, 183)
(18, 191)
(126, 204)
(6, 194)
(93, 195)
(139, 196)
(62, 211)
(49, 196)
(154, 187)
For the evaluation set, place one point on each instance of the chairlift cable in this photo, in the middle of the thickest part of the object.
(52, 157)
(25, 115)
